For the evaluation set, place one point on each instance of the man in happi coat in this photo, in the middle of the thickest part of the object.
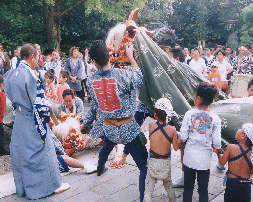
(33, 158)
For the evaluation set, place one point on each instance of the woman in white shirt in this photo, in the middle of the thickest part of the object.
(198, 64)
(224, 68)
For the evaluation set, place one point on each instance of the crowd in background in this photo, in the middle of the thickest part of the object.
(217, 64)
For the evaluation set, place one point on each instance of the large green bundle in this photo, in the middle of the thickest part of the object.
(166, 77)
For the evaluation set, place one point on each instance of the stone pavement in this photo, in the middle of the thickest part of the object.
(115, 184)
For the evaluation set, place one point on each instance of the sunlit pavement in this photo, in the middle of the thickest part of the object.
(115, 184)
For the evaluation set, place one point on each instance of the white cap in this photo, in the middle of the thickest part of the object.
(165, 105)
(248, 130)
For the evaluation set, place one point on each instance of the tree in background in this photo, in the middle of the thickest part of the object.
(54, 10)
(21, 22)
(205, 20)
(247, 28)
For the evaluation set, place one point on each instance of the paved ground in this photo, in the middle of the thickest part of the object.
(116, 184)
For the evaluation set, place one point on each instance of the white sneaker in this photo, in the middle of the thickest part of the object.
(178, 182)
(221, 167)
(62, 188)
(90, 168)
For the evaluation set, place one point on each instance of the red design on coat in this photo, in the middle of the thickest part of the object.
(107, 96)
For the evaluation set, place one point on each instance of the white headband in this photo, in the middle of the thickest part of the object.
(248, 130)
(165, 105)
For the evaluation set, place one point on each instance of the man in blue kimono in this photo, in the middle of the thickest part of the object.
(113, 93)
(33, 158)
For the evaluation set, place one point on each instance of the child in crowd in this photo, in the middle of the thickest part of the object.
(238, 187)
(2, 111)
(201, 128)
(250, 88)
(215, 77)
(47, 63)
(63, 78)
(50, 87)
(161, 137)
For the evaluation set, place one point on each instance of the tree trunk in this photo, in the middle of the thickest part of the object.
(58, 39)
(51, 28)
(53, 22)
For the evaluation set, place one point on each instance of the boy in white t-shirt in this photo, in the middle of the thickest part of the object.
(200, 129)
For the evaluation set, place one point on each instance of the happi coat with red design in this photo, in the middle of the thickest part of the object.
(114, 94)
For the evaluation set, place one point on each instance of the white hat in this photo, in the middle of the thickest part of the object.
(248, 130)
(165, 105)
(215, 63)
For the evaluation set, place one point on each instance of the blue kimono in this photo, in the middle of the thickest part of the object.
(33, 158)
(74, 69)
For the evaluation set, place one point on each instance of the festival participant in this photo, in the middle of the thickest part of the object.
(16, 59)
(63, 78)
(198, 64)
(113, 93)
(177, 53)
(4, 61)
(233, 54)
(250, 88)
(239, 158)
(50, 87)
(55, 63)
(186, 55)
(72, 104)
(228, 56)
(74, 68)
(34, 162)
(161, 136)
(41, 57)
(247, 67)
(215, 77)
(2, 111)
(224, 68)
(47, 62)
(200, 130)
(209, 55)
(240, 60)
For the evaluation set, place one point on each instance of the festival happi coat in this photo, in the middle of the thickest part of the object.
(163, 76)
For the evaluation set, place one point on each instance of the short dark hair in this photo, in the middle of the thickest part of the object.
(233, 51)
(50, 74)
(207, 92)
(161, 114)
(220, 51)
(28, 49)
(99, 52)
(250, 83)
(1, 79)
(196, 49)
(64, 74)
(248, 47)
(218, 46)
(178, 52)
(229, 47)
(68, 92)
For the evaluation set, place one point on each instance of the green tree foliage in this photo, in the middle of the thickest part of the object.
(247, 28)
(79, 29)
(20, 22)
(205, 20)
